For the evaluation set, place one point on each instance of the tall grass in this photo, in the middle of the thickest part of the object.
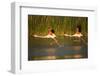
(38, 24)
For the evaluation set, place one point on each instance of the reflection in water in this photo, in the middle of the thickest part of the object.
(77, 48)
(50, 57)
(41, 50)
(73, 56)
(67, 56)
(44, 58)
(77, 56)
(57, 57)
(50, 51)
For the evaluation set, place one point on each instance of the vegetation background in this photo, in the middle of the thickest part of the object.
(38, 24)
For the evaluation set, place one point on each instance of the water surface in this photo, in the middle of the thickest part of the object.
(71, 48)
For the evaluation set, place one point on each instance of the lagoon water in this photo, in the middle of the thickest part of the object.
(71, 48)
